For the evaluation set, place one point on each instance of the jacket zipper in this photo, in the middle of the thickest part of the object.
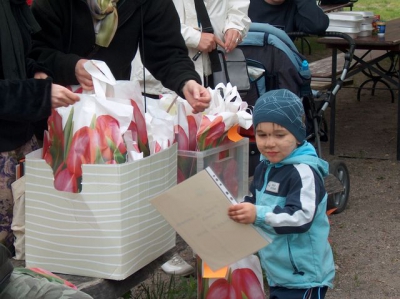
(296, 270)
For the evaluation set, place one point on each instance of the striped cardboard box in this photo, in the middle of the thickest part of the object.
(109, 230)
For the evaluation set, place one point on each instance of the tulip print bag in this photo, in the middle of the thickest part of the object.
(88, 132)
(242, 279)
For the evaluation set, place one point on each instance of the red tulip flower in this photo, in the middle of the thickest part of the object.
(192, 125)
(111, 143)
(64, 180)
(54, 151)
(82, 150)
(221, 289)
(182, 139)
(138, 129)
(211, 133)
(242, 284)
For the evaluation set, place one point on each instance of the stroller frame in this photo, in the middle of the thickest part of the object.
(315, 104)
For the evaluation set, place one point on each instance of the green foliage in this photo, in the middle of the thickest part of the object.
(176, 287)
(387, 9)
(127, 295)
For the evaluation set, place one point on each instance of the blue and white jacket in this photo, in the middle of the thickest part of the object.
(291, 200)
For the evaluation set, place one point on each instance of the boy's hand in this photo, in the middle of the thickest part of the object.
(243, 213)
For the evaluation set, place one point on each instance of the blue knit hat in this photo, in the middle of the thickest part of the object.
(282, 107)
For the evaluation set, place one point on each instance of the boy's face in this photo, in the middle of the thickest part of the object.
(274, 141)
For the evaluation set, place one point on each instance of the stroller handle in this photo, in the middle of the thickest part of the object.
(348, 57)
(352, 45)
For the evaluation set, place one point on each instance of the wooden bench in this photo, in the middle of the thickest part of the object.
(321, 70)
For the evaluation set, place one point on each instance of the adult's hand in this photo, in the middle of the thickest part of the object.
(40, 75)
(62, 97)
(83, 77)
(232, 39)
(197, 96)
(209, 42)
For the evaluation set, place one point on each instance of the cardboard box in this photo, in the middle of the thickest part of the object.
(109, 230)
(229, 161)
(198, 210)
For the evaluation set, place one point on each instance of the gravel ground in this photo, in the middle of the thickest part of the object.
(365, 237)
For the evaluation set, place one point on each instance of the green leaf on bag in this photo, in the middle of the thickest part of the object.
(93, 122)
(119, 157)
(144, 148)
(56, 154)
(99, 158)
(68, 131)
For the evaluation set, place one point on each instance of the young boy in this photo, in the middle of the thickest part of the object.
(289, 201)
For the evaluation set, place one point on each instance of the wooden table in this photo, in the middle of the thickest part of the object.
(390, 46)
(334, 7)
(326, 9)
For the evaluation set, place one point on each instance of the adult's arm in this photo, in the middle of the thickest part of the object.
(32, 67)
(25, 100)
(310, 18)
(237, 16)
(165, 54)
(189, 26)
(49, 45)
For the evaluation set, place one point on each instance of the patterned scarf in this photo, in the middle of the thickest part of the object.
(105, 18)
(11, 39)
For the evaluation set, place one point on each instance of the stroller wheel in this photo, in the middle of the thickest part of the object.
(339, 200)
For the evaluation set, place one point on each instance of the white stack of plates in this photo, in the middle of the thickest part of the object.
(352, 22)
(346, 22)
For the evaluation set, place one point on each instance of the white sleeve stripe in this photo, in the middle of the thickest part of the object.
(307, 199)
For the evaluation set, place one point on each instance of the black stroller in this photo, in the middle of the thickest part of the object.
(274, 62)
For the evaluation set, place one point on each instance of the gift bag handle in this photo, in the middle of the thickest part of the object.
(101, 76)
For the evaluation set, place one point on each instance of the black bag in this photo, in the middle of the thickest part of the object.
(332, 2)
(234, 70)
(232, 66)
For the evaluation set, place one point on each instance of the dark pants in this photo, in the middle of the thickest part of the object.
(284, 293)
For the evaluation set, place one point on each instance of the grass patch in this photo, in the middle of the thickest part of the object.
(177, 287)
(387, 9)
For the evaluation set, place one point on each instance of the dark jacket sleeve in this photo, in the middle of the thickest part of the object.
(310, 18)
(50, 45)
(68, 35)
(165, 54)
(32, 67)
(36, 95)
